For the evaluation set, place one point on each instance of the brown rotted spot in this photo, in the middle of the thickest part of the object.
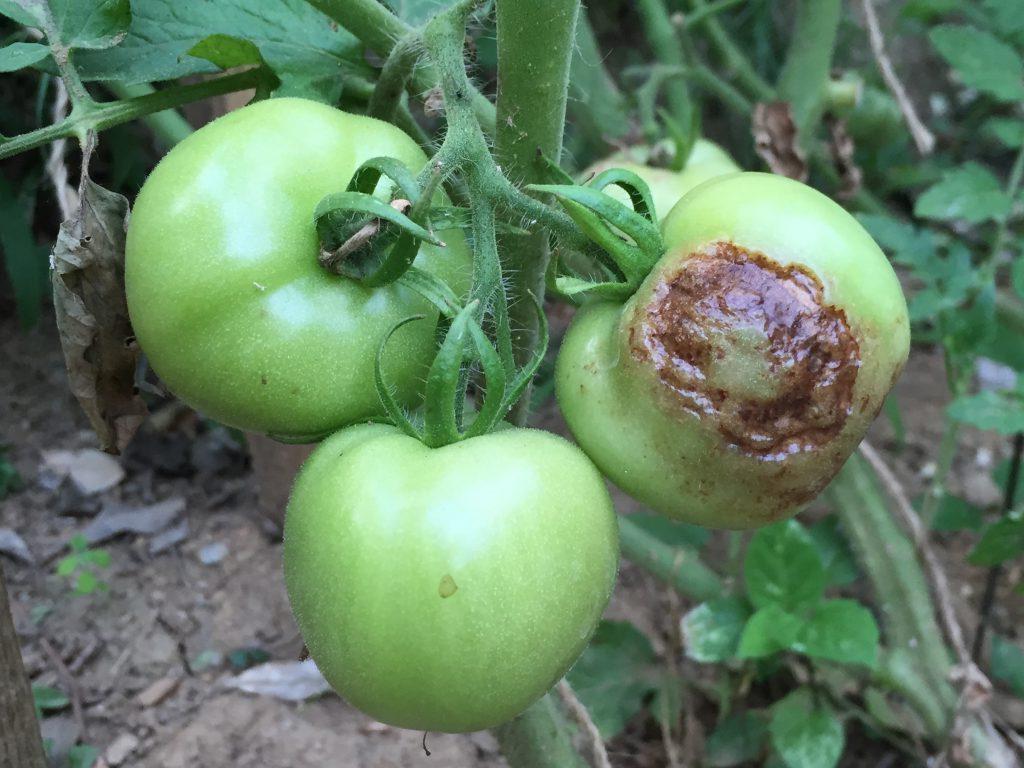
(751, 345)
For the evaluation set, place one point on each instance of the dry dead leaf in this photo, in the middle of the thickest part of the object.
(775, 138)
(841, 148)
(92, 315)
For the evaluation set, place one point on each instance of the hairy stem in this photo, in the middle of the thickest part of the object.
(387, 96)
(375, 25)
(107, 115)
(539, 738)
(678, 567)
(535, 43)
(890, 562)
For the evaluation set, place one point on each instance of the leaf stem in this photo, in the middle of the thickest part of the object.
(109, 114)
(661, 34)
(678, 567)
(730, 53)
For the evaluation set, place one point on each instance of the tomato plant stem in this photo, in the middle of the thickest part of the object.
(169, 126)
(681, 568)
(891, 564)
(107, 115)
(380, 29)
(535, 43)
(398, 68)
(597, 105)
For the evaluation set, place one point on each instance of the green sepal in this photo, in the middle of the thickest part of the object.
(639, 193)
(491, 410)
(440, 417)
(433, 289)
(392, 407)
(368, 176)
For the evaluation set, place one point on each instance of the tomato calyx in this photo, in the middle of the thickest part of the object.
(626, 239)
(369, 239)
(442, 420)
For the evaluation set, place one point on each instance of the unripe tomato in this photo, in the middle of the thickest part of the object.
(225, 292)
(447, 589)
(734, 384)
(707, 161)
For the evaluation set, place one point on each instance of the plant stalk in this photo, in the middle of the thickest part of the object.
(680, 568)
(661, 34)
(535, 44)
(107, 115)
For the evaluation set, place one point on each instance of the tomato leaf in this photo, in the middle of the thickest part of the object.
(613, 678)
(1007, 130)
(834, 549)
(1007, 664)
(20, 55)
(768, 632)
(292, 37)
(47, 698)
(970, 192)
(805, 732)
(711, 631)
(739, 738)
(840, 630)
(956, 514)
(783, 567)
(1001, 541)
(981, 60)
(1002, 412)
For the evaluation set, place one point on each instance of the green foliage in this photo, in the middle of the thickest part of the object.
(1001, 412)
(956, 514)
(783, 567)
(24, 260)
(616, 675)
(304, 49)
(970, 192)
(981, 60)
(1000, 541)
(740, 738)
(81, 566)
(82, 756)
(1007, 664)
(806, 732)
(47, 699)
(712, 630)
(670, 532)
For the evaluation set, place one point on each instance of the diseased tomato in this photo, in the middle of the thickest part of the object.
(225, 292)
(447, 589)
(733, 385)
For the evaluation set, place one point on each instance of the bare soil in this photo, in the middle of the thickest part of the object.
(173, 620)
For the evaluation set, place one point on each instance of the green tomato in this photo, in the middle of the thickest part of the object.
(733, 385)
(447, 589)
(225, 292)
(707, 161)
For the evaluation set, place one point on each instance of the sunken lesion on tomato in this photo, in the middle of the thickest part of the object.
(751, 346)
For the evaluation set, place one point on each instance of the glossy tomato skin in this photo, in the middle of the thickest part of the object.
(447, 589)
(224, 289)
(707, 161)
(735, 383)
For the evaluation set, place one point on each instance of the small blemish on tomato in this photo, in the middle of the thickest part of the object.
(447, 587)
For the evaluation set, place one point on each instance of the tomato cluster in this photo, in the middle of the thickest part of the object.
(446, 587)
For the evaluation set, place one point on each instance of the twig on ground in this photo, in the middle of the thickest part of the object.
(923, 138)
(70, 682)
(580, 716)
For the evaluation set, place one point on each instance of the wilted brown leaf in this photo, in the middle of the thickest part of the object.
(841, 148)
(775, 138)
(92, 315)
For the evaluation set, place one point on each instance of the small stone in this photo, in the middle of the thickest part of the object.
(158, 691)
(120, 749)
(90, 470)
(13, 545)
(213, 553)
(169, 538)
